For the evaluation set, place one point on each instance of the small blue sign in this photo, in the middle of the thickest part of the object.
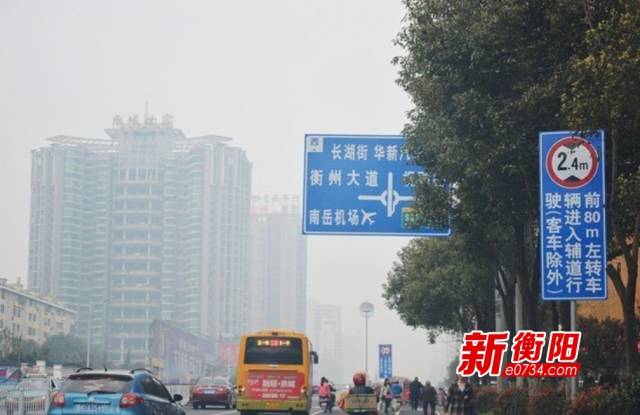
(572, 216)
(356, 184)
(385, 361)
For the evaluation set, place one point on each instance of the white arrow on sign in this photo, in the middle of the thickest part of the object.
(389, 198)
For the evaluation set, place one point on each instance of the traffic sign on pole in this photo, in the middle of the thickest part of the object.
(357, 184)
(572, 216)
(385, 361)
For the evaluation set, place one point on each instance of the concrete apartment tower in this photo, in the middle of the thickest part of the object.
(148, 224)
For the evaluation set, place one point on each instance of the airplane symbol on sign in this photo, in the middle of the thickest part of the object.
(389, 198)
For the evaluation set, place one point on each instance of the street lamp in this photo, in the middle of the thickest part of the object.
(366, 311)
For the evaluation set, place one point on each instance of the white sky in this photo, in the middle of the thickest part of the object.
(263, 72)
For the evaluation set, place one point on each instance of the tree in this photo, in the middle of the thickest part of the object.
(483, 77)
(602, 347)
(603, 92)
(439, 287)
(14, 349)
(65, 349)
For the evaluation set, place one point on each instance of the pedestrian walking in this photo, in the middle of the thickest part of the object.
(429, 398)
(460, 398)
(415, 391)
(386, 395)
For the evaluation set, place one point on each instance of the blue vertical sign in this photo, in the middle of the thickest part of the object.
(385, 361)
(356, 184)
(572, 216)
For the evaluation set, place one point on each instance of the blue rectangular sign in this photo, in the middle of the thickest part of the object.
(385, 361)
(572, 216)
(356, 184)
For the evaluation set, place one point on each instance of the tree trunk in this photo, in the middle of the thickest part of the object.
(629, 312)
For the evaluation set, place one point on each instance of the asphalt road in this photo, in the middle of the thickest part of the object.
(210, 410)
(314, 411)
(221, 411)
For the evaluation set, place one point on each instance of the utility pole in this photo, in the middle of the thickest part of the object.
(366, 311)
(88, 362)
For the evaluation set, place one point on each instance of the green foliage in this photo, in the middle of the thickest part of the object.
(603, 91)
(486, 399)
(483, 77)
(627, 397)
(548, 400)
(16, 350)
(592, 401)
(602, 347)
(64, 349)
(59, 348)
(513, 401)
(436, 285)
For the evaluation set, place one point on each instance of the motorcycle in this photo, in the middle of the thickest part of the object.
(327, 402)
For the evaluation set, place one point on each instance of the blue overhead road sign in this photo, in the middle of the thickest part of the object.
(358, 184)
(572, 216)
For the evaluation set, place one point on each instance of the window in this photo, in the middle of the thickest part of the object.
(152, 386)
(273, 350)
(97, 383)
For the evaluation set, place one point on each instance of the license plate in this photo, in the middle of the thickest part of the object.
(91, 407)
(209, 391)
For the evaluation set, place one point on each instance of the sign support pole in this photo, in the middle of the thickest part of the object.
(573, 380)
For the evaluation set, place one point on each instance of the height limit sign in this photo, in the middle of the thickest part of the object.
(572, 216)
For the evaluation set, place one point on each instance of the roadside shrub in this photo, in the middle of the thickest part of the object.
(485, 399)
(548, 400)
(513, 401)
(592, 401)
(625, 399)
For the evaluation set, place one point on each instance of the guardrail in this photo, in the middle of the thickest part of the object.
(31, 402)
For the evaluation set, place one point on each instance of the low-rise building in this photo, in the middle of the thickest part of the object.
(30, 316)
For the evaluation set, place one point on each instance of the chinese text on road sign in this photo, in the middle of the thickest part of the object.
(360, 185)
(572, 216)
(385, 361)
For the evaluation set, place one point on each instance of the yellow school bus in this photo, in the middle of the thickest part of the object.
(275, 372)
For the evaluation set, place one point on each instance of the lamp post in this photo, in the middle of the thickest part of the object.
(366, 311)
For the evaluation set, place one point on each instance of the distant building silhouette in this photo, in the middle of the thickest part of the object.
(278, 267)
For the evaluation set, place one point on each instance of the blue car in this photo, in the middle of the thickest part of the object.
(136, 392)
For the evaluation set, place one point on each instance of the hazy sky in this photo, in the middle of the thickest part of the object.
(263, 72)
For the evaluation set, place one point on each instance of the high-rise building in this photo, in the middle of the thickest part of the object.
(278, 267)
(146, 224)
(326, 336)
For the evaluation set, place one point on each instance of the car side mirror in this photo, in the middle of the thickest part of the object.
(177, 397)
(314, 356)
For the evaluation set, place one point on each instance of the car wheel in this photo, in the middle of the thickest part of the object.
(195, 405)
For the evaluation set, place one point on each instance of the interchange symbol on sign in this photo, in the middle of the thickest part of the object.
(389, 198)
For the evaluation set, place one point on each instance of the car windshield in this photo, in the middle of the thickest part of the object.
(98, 383)
(205, 381)
(33, 384)
(220, 381)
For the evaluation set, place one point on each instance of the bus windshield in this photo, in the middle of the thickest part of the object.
(273, 351)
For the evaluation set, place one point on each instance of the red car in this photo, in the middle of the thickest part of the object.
(213, 391)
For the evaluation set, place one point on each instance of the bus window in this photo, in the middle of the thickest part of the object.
(273, 351)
